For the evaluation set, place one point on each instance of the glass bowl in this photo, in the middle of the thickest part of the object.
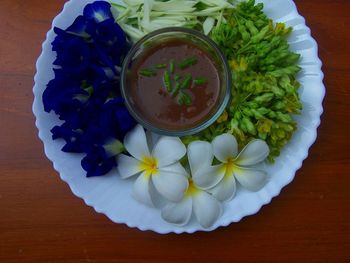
(201, 42)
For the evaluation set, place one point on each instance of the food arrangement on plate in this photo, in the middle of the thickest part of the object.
(191, 99)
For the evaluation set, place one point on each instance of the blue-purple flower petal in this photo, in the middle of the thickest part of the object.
(85, 91)
(78, 27)
(97, 162)
(73, 56)
(71, 137)
(98, 11)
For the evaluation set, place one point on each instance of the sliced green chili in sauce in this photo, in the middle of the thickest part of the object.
(175, 84)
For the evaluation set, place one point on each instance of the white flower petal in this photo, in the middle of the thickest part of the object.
(170, 185)
(168, 150)
(200, 154)
(135, 142)
(225, 190)
(254, 152)
(208, 177)
(178, 213)
(224, 147)
(127, 166)
(141, 190)
(175, 168)
(152, 139)
(250, 179)
(206, 208)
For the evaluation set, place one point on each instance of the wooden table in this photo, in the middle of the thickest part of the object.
(42, 221)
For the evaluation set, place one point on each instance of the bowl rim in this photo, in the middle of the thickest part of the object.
(206, 122)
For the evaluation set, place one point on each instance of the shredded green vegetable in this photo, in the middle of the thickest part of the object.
(139, 17)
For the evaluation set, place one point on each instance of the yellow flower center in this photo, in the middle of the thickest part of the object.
(192, 189)
(149, 165)
(229, 167)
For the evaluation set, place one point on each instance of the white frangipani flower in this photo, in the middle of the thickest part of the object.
(220, 180)
(204, 206)
(160, 167)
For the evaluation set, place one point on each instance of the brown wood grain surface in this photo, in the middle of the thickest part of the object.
(42, 221)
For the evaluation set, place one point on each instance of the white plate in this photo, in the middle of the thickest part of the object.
(110, 195)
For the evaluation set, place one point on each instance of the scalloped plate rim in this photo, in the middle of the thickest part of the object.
(171, 228)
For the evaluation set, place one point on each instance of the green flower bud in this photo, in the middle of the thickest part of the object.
(283, 117)
(263, 110)
(277, 91)
(264, 98)
(237, 115)
(243, 126)
(251, 27)
(247, 112)
(249, 125)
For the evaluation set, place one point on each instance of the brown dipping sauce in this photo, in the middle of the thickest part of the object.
(151, 98)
